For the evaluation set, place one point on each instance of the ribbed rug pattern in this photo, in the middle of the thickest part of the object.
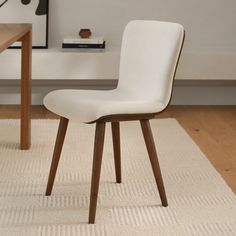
(200, 202)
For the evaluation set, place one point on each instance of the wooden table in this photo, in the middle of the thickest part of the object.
(10, 33)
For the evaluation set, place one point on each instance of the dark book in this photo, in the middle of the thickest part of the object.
(83, 45)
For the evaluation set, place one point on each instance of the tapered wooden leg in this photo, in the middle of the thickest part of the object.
(147, 134)
(57, 153)
(97, 161)
(116, 147)
(26, 62)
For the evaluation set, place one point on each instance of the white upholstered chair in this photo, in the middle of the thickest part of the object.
(149, 57)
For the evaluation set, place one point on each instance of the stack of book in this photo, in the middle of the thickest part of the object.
(84, 43)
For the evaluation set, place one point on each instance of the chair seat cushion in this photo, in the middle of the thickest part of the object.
(90, 105)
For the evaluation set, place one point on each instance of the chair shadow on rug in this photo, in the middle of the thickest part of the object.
(149, 56)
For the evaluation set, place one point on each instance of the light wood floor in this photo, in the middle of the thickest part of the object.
(213, 128)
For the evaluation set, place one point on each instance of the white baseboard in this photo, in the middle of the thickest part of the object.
(185, 92)
(203, 94)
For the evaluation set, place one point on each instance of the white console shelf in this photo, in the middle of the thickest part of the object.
(50, 64)
(55, 64)
(201, 76)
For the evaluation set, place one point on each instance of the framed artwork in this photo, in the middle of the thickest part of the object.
(28, 11)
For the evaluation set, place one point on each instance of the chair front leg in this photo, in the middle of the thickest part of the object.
(57, 153)
(97, 161)
(116, 147)
(147, 134)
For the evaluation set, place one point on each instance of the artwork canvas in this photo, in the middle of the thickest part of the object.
(28, 11)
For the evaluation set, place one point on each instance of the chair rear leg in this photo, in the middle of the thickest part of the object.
(116, 147)
(147, 134)
(57, 153)
(97, 161)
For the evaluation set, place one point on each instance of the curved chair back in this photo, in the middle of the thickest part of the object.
(149, 56)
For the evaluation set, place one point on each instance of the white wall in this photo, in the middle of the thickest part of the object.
(210, 24)
(209, 51)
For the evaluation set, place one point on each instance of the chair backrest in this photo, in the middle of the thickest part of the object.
(149, 56)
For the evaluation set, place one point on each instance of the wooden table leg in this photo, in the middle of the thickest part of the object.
(26, 65)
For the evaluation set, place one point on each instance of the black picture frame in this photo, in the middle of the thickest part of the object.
(28, 11)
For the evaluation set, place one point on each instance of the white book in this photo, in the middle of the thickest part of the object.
(92, 40)
(87, 50)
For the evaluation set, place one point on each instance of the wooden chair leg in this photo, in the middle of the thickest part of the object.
(147, 134)
(57, 153)
(116, 147)
(97, 161)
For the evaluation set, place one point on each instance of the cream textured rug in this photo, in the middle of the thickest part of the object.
(200, 203)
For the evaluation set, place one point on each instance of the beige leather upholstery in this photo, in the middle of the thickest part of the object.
(149, 54)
